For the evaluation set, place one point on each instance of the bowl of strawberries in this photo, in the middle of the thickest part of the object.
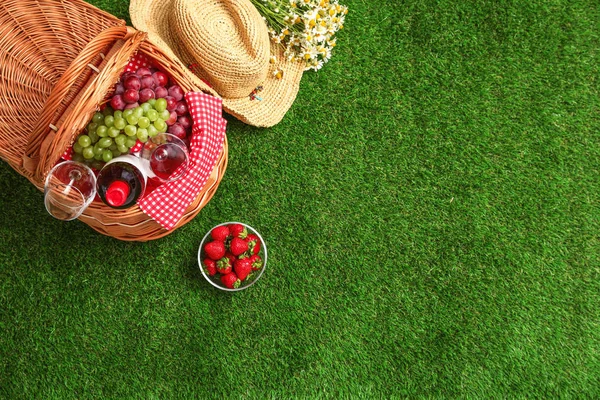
(232, 256)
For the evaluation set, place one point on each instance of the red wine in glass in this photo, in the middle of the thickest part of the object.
(168, 161)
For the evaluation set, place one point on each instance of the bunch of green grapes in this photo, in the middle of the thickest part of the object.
(113, 133)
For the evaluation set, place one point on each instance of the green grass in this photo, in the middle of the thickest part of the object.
(431, 208)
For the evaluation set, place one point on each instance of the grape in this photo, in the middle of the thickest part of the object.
(127, 113)
(102, 131)
(132, 83)
(116, 152)
(172, 118)
(143, 71)
(177, 130)
(113, 146)
(181, 108)
(143, 122)
(143, 132)
(132, 119)
(98, 157)
(138, 112)
(77, 148)
(92, 126)
(152, 115)
(94, 136)
(152, 102)
(119, 88)
(117, 102)
(113, 132)
(161, 105)
(131, 96)
(152, 131)
(107, 155)
(84, 141)
(98, 117)
(97, 149)
(88, 153)
(130, 130)
(118, 114)
(148, 82)
(171, 103)
(123, 149)
(161, 78)
(142, 135)
(120, 140)
(109, 120)
(105, 142)
(120, 123)
(132, 105)
(78, 157)
(176, 91)
(107, 111)
(97, 164)
(146, 107)
(164, 114)
(146, 94)
(127, 75)
(160, 125)
(185, 121)
(161, 92)
(130, 142)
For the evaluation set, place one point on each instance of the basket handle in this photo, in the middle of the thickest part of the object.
(62, 87)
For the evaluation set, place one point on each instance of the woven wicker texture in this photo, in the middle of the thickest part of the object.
(230, 43)
(58, 60)
(225, 43)
(38, 41)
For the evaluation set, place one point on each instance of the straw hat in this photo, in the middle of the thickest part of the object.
(226, 44)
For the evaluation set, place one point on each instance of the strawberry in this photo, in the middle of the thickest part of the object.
(242, 267)
(220, 233)
(253, 243)
(224, 265)
(256, 262)
(215, 250)
(210, 266)
(231, 257)
(238, 246)
(231, 280)
(238, 230)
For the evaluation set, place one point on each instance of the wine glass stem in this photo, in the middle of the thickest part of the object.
(68, 188)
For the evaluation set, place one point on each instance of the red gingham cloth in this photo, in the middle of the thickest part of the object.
(167, 202)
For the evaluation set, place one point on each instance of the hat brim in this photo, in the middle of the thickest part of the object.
(266, 108)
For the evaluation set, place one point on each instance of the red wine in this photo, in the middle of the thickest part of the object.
(121, 182)
(166, 159)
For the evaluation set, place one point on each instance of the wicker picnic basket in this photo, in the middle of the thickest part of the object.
(58, 60)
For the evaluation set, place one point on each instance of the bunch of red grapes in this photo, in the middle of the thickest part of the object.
(147, 84)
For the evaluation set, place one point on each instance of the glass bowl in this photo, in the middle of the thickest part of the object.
(215, 280)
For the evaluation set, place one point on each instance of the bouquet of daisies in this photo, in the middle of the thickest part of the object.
(305, 28)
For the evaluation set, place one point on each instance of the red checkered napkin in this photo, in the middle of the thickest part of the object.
(167, 203)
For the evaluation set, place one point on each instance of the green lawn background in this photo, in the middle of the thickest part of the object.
(430, 205)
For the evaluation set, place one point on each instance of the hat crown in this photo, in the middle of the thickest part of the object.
(229, 41)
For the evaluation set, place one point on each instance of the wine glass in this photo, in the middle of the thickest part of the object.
(167, 156)
(69, 188)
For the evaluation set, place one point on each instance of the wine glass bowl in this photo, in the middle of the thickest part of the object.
(69, 189)
(167, 156)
